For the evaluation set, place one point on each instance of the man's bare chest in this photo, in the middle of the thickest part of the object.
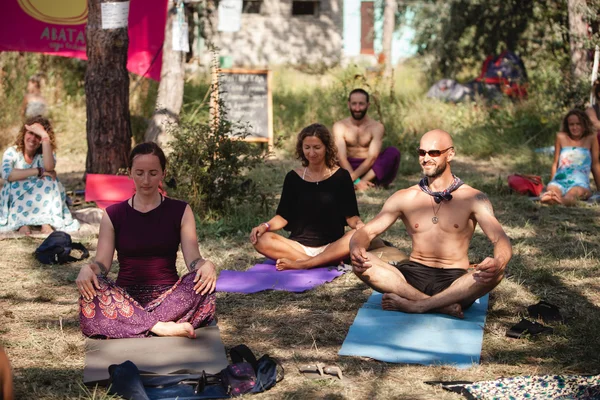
(450, 217)
(358, 137)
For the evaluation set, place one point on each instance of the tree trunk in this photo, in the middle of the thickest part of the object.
(389, 22)
(577, 34)
(170, 89)
(107, 95)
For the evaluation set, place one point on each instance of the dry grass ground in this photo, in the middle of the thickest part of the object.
(556, 257)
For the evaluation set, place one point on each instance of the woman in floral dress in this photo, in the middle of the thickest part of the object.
(32, 195)
(575, 154)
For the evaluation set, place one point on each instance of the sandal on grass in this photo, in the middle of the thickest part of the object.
(545, 311)
(527, 328)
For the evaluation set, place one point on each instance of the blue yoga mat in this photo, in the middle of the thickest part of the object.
(426, 339)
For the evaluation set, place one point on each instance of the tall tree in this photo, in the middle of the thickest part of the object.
(389, 22)
(170, 89)
(107, 94)
(577, 37)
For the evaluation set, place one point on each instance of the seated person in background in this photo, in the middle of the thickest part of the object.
(148, 296)
(575, 153)
(6, 384)
(593, 112)
(359, 139)
(34, 103)
(32, 194)
(440, 215)
(317, 202)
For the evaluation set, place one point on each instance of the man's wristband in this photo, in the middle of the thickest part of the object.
(356, 181)
(267, 225)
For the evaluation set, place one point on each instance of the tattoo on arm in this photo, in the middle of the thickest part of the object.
(486, 202)
(193, 263)
(102, 267)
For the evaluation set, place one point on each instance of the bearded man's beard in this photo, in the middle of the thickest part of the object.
(359, 115)
(437, 171)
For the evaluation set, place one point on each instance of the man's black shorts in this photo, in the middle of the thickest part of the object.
(428, 280)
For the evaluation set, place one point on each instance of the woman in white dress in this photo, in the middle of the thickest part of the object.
(32, 195)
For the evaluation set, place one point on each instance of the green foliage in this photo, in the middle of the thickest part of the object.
(142, 100)
(554, 90)
(325, 101)
(196, 97)
(209, 163)
(457, 35)
(62, 86)
(453, 31)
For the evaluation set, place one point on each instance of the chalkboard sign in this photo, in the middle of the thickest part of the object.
(247, 97)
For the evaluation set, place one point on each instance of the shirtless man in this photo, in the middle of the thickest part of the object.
(359, 139)
(440, 215)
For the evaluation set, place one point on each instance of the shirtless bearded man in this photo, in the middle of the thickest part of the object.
(440, 215)
(359, 139)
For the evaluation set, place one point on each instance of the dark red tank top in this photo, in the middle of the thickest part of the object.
(147, 243)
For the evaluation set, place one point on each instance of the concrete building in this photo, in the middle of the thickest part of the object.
(301, 32)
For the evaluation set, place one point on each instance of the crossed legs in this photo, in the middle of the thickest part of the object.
(401, 296)
(290, 255)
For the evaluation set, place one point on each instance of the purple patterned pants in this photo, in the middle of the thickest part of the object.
(114, 314)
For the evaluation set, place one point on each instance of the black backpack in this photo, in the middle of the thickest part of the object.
(268, 370)
(56, 249)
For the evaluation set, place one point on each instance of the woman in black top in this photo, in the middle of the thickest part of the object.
(316, 204)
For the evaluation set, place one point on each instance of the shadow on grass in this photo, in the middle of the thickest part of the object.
(52, 383)
(45, 298)
(67, 323)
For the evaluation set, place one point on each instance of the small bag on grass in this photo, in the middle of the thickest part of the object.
(530, 185)
(56, 249)
(268, 370)
(246, 374)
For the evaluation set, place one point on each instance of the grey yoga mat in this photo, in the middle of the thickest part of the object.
(160, 355)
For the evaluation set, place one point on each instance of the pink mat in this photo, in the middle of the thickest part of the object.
(266, 277)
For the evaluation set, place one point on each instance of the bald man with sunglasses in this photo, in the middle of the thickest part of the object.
(440, 215)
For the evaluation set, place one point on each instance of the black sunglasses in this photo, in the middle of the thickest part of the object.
(433, 153)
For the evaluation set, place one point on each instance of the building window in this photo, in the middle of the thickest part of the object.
(251, 6)
(305, 7)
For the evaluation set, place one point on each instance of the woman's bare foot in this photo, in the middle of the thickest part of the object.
(551, 197)
(546, 197)
(558, 199)
(184, 329)
(393, 302)
(47, 229)
(25, 230)
(283, 263)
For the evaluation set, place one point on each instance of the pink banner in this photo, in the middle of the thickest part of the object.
(57, 27)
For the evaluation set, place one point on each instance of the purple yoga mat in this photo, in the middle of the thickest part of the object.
(266, 277)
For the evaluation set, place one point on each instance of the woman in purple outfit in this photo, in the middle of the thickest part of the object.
(146, 231)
